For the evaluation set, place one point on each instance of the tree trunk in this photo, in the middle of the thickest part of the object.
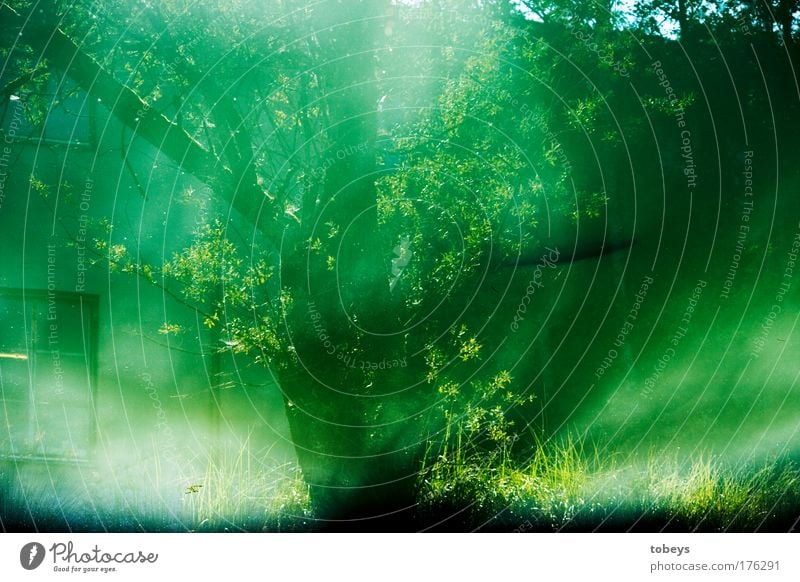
(682, 16)
(785, 17)
(345, 423)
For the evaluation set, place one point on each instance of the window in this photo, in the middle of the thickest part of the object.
(48, 362)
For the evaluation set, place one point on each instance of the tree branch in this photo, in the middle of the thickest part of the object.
(170, 139)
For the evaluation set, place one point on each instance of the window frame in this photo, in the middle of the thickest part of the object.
(89, 304)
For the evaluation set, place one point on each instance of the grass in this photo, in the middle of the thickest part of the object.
(562, 487)
(236, 495)
(233, 491)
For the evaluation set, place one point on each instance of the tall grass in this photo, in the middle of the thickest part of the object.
(235, 490)
(561, 486)
(235, 494)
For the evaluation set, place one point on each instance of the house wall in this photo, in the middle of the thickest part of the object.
(166, 406)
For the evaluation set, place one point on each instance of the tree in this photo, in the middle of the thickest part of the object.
(685, 16)
(769, 14)
(381, 226)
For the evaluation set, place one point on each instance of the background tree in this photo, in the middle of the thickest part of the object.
(771, 15)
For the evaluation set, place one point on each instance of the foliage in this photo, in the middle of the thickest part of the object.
(235, 294)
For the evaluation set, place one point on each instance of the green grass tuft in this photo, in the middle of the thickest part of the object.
(564, 487)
